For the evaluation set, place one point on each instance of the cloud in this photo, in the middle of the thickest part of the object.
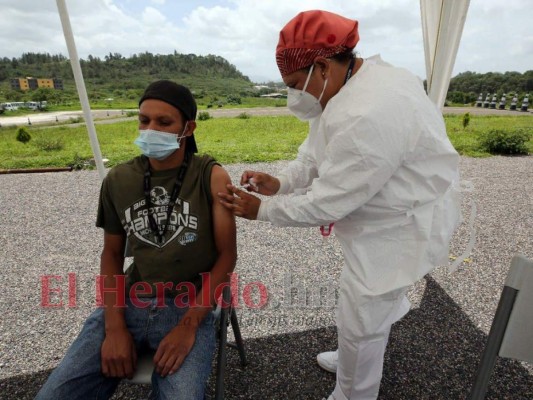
(496, 35)
(248, 42)
(153, 19)
(14, 40)
(496, 38)
(247, 33)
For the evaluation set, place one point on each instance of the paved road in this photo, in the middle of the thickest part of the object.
(59, 116)
(483, 111)
(111, 116)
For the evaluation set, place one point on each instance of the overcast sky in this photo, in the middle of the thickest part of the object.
(497, 35)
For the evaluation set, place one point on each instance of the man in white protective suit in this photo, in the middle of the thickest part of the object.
(377, 164)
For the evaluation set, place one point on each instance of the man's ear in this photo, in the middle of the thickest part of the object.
(191, 126)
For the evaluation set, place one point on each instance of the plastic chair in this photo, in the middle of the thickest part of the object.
(510, 335)
(227, 315)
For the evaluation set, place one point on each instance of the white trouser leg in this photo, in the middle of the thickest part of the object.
(360, 365)
(360, 369)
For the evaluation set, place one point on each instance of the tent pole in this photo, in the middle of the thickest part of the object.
(442, 27)
(80, 86)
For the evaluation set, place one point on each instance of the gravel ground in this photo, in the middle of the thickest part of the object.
(47, 228)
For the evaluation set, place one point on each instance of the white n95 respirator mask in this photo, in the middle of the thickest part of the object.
(302, 104)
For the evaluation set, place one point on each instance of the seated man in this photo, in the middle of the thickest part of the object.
(184, 248)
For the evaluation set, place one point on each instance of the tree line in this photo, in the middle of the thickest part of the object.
(466, 86)
(125, 77)
(209, 77)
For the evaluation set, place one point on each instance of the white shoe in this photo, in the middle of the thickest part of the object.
(328, 360)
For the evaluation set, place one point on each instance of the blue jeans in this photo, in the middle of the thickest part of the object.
(79, 375)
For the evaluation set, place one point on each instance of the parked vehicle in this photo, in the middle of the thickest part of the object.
(33, 105)
(36, 105)
(9, 107)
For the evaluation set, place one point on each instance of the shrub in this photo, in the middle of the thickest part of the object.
(132, 113)
(232, 99)
(466, 120)
(204, 116)
(48, 144)
(243, 116)
(499, 141)
(78, 162)
(456, 97)
(23, 136)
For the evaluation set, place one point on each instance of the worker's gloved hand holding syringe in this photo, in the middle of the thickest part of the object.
(246, 205)
(260, 182)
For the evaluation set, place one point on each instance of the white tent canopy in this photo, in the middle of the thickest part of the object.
(442, 27)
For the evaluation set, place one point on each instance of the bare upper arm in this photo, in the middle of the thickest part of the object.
(223, 220)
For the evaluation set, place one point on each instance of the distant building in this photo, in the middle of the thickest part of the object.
(35, 83)
(58, 83)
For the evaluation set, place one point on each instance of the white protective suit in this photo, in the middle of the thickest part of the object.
(378, 163)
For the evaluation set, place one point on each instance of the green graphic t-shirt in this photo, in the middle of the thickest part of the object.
(188, 246)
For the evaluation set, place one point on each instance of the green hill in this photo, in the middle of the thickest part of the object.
(211, 78)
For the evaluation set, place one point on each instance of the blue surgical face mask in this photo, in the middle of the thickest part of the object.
(158, 145)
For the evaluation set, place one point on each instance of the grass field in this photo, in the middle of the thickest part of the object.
(466, 141)
(229, 140)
